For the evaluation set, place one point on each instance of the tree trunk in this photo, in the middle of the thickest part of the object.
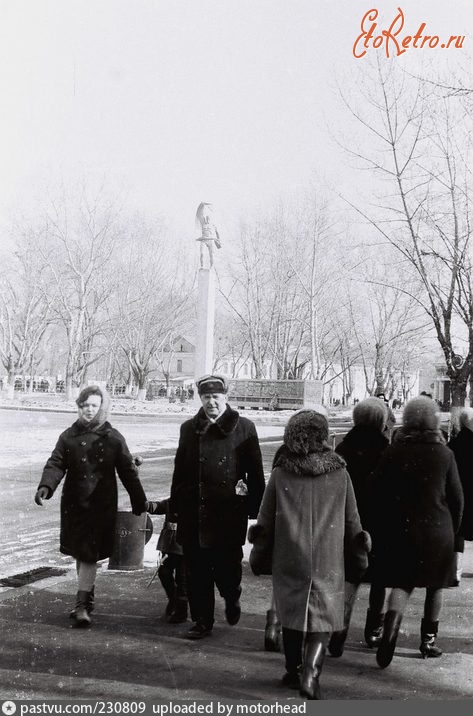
(457, 393)
(10, 386)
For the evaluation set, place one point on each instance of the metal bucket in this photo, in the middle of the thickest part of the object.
(132, 532)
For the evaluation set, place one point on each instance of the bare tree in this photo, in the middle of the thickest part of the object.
(249, 292)
(154, 300)
(74, 237)
(24, 316)
(419, 148)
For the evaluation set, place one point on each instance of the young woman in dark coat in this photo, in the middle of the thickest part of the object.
(362, 449)
(88, 454)
(462, 447)
(419, 508)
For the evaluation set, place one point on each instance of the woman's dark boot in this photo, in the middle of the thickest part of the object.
(292, 644)
(428, 633)
(387, 645)
(338, 638)
(311, 669)
(272, 632)
(80, 613)
(337, 642)
(373, 628)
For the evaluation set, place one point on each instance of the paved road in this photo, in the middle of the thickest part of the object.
(29, 534)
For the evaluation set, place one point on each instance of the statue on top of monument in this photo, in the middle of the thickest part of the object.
(204, 223)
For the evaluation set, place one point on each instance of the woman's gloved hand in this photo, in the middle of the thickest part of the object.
(42, 493)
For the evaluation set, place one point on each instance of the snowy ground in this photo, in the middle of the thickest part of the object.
(28, 436)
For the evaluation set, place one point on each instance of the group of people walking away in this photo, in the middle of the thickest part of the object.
(390, 513)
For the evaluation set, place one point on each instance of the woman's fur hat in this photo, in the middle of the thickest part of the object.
(103, 413)
(372, 413)
(421, 414)
(306, 432)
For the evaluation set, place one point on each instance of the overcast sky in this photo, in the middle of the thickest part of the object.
(179, 101)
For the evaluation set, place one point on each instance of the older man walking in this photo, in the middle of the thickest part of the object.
(218, 482)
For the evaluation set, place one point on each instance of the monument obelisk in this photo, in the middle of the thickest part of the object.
(205, 291)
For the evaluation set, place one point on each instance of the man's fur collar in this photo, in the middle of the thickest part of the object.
(226, 423)
(313, 464)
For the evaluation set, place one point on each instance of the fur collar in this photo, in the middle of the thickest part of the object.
(313, 464)
(226, 423)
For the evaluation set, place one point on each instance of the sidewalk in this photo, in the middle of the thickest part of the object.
(131, 653)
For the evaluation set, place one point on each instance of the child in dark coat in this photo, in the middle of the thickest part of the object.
(171, 570)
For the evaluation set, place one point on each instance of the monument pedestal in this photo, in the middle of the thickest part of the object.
(205, 322)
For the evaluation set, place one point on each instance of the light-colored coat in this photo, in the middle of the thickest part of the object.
(309, 521)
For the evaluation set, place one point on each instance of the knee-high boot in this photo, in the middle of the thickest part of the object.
(387, 645)
(338, 638)
(314, 653)
(428, 633)
(272, 632)
(373, 628)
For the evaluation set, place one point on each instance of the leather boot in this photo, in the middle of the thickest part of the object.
(89, 603)
(312, 667)
(338, 638)
(373, 628)
(272, 632)
(337, 642)
(428, 632)
(80, 613)
(387, 645)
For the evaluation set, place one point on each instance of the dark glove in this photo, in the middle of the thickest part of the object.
(42, 493)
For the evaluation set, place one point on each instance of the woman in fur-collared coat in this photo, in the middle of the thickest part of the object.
(308, 524)
(89, 454)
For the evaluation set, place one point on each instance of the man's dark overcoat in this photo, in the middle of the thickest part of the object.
(462, 446)
(89, 457)
(419, 508)
(211, 458)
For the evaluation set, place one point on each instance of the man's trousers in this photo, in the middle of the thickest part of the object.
(208, 567)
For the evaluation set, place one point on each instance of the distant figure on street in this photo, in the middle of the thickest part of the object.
(218, 482)
(308, 531)
(88, 454)
(391, 419)
(172, 569)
